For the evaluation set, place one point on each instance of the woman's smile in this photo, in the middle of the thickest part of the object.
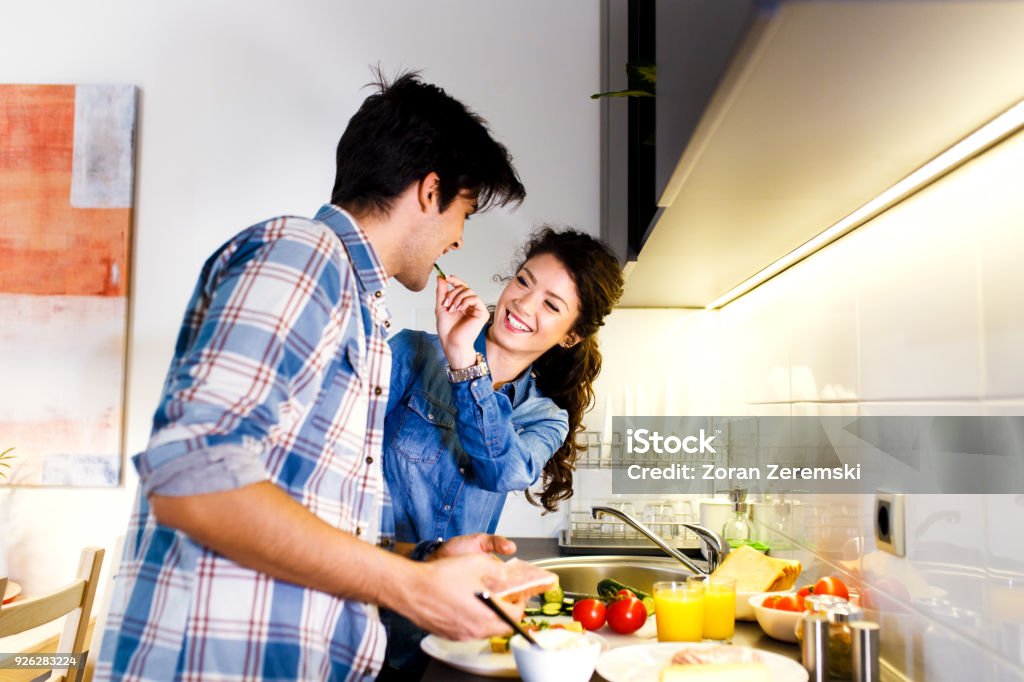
(515, 324)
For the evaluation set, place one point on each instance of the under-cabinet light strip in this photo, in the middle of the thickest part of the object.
(1004, 125)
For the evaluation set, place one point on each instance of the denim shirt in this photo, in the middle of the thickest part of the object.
(453, 451)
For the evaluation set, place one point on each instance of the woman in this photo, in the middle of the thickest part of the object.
(481, 409)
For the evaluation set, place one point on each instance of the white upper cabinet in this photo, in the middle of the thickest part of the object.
(819, 107)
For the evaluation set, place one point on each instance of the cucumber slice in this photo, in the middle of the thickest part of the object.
(551, 609)
(554, 595)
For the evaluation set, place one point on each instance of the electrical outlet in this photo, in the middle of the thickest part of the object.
(890, 515)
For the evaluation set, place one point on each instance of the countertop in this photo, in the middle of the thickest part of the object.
(747, 634)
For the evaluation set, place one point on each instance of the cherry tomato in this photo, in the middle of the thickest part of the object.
(770, 602)
(833, 586)
(802, 594)
(625, 594)
(787, 603)
(589, 613)
(627, 615)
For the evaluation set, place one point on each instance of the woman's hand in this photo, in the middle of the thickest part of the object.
(461, 314)
(477, 543)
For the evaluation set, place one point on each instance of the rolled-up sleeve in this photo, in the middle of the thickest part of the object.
(266, 319)
(506, 454)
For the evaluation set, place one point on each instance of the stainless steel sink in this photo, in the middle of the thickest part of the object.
(582, 573)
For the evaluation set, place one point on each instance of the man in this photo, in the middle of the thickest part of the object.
(252, 550)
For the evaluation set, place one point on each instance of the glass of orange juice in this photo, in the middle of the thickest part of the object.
(679, 611)
(719, 606)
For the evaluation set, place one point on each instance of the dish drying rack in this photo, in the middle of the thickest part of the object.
(598, 455)
(585, 533)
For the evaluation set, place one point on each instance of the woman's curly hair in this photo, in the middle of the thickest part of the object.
(566, 375)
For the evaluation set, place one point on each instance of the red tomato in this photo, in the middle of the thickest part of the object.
(770, 602)
(627, 615)
(787, 603)
(625, 594)
(801, 594)
(833, 586)
(589, 613)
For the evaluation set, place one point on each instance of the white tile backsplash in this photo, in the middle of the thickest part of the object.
(519, 518)
(1001, 408)
(947, 548)
(823, 339)
(997, 207)
(918, 311)
(764, 358)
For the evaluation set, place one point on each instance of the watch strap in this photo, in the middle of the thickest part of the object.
(475, 371)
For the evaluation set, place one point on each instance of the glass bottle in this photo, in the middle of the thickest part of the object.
(736, 530)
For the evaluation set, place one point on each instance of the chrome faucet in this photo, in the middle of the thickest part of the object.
(717, 546)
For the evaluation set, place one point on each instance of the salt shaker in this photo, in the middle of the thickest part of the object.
(839, 614)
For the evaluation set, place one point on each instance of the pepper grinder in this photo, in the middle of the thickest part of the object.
(736, 530)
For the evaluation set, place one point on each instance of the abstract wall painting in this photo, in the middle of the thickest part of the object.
(66, 185)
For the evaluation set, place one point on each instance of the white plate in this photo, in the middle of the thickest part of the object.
(475, 655)
(644, 662)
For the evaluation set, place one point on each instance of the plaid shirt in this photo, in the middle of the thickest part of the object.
(281, 367)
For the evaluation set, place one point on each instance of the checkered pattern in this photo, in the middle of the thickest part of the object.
(282, 357)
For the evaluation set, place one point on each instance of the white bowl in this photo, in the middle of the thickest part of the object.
(744, 611)
(546, 663)
(780, 625)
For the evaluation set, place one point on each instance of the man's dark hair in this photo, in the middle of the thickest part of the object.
(408, 129)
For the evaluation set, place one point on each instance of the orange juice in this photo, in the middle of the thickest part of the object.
(719, 611)
(679, 612)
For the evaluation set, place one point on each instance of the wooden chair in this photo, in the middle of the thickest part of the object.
(73, 601)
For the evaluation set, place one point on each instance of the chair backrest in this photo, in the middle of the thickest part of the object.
(74, 601)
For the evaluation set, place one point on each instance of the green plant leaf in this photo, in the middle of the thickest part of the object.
(622, 93)
(647, 73)
(641, 79)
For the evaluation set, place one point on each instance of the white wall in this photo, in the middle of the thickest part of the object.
(241, 108)
(920, 312)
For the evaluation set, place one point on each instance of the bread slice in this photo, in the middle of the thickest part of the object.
(754, 572)
(791, 569)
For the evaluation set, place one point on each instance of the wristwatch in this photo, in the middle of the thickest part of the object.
(480, 369)
(425, 548)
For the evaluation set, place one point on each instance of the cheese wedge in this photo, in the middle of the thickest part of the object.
(717, 672)
(754, 572)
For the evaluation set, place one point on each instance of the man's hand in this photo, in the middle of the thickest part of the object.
(461, 314)
(441, 599)
(474, 544)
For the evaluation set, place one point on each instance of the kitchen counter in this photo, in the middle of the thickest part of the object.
(747, 634)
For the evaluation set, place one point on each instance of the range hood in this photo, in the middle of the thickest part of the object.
(823, 106)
